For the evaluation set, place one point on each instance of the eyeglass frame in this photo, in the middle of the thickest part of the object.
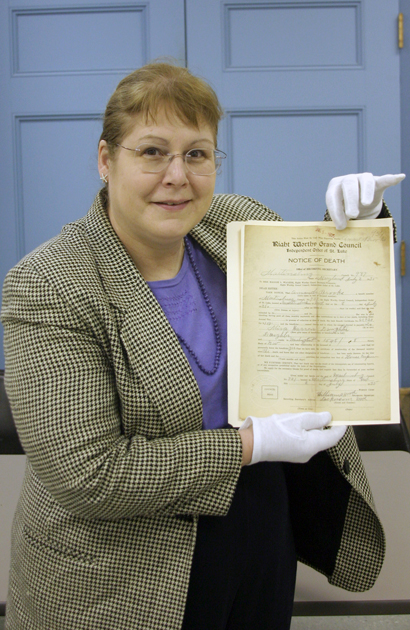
(218, 154)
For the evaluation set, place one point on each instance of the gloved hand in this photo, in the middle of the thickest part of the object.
(357, 196)
(291, 437)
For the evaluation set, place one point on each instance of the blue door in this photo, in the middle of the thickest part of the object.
(311, 90)
(59, 62)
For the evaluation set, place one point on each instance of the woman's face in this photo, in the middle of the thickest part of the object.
(157, 208)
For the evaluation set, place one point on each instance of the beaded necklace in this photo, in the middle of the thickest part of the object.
(213, 317)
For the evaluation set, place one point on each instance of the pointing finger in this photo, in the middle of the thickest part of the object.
(384, 181)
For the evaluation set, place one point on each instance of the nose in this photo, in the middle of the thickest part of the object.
(176, 170)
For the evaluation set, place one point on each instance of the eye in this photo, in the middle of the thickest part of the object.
(198, 155)
(150, 152)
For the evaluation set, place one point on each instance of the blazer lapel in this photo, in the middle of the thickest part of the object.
(149, 340)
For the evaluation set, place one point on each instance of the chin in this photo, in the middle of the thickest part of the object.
(174, 230)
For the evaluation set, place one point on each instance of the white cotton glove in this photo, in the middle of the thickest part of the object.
(291, 437)
(357, 196)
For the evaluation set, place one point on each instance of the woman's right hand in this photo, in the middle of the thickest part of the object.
(288, 437)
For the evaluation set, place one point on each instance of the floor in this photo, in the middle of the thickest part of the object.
(373, 622)
(370, 622)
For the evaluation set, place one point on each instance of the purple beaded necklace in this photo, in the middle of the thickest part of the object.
(213, 317)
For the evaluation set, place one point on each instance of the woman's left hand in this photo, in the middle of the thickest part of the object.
(357, 196)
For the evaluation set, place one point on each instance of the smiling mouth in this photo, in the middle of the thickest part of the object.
(172, 203)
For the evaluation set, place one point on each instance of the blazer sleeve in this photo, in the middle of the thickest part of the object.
(67, 411)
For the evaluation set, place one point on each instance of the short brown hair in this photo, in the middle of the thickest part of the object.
(156, 85)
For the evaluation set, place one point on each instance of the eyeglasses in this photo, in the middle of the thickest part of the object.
(154, 159)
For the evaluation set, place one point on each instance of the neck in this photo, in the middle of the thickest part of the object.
(158, 264)
(156, 261)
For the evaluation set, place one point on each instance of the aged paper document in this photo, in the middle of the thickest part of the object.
(317, 322)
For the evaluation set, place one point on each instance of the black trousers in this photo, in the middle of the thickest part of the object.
(244, 566)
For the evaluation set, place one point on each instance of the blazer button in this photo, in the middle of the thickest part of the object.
(346, 467)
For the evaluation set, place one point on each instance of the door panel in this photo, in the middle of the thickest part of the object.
(311, 87)
(58, 65)
(42, 213)
(329, 35)
(276, 144)
(43, 39)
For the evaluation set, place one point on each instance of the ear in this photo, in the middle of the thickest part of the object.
(103, 158)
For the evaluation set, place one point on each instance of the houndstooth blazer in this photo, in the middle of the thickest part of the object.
(118, 468)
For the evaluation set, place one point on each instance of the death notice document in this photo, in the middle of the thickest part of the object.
(317, 323)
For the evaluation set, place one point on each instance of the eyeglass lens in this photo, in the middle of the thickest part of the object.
(198, 161)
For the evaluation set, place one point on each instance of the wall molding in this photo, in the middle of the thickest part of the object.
(16, 13)
(228, 7)
(232, 114)
(18, 120)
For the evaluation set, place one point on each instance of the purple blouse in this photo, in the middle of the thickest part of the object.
(188, 310)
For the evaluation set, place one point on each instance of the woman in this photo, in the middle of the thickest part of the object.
(137, 508)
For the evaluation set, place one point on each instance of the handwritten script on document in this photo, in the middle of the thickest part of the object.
(316, 320)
